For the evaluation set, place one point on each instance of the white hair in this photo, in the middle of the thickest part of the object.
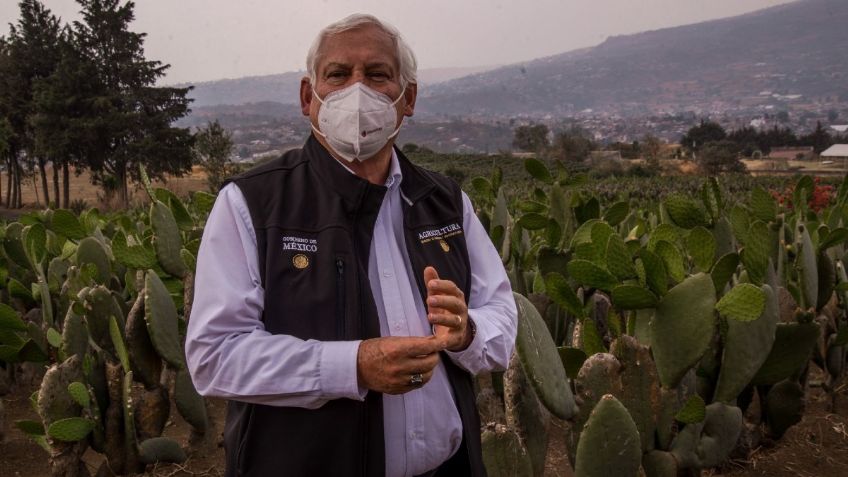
(407, 64)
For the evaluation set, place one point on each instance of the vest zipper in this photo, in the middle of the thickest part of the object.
(340, 298)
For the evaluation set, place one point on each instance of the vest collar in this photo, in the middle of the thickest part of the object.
(414, 186)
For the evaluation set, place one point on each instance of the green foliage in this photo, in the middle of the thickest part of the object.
(213, 147)
(532, 138)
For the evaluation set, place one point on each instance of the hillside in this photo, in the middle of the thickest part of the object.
(284, 88)
(790, 56)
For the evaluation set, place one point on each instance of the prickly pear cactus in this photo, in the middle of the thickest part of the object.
(503, 454)
(161, 449)
(540, 359)
(746, 348)
(146, 362)
(160, 314)
(682, 327)
(526, 415)
(609, 443)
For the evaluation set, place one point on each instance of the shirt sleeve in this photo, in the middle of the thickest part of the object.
(229, 352)
(491, 304)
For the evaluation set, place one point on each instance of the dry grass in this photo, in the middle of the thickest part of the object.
(82, 188)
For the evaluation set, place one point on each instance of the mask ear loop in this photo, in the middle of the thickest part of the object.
(315, 95)
(402, 93)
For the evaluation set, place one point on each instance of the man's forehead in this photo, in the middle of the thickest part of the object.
(367, 44)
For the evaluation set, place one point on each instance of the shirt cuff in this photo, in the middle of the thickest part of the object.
(471, 357)
(338, 372)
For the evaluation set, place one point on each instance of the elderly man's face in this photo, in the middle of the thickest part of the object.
(364, 55)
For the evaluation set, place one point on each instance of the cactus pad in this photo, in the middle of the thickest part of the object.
(784, 407)
(161, 449)
(609, 443)
(618, 258)
(792, 347)
(682, 328)
(146, 363)
(167, 240)
(71, 429)
(503, 454)
(189, 403)
(90, 250)
(525, 414)
(744, 302)
(54, 401)
(540, 359)
(160, 314)
(632, 297)
(684, 212)
(746, 347)
(591, 275)
(74, 334)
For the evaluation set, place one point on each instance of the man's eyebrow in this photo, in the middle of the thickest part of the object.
(337, 65)
(379, 64)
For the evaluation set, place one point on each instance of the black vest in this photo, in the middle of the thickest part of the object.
(314, 222)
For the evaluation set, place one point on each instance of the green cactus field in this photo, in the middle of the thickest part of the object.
(667, 326)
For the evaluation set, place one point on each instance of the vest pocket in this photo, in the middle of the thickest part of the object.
(340, 298)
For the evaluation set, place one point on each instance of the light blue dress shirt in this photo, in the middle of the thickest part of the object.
(230, 355)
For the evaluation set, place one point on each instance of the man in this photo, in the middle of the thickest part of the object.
(344, 296)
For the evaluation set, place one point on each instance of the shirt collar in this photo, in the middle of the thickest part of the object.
(395, 175)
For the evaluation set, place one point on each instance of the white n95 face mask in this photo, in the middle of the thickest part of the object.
(357, 121)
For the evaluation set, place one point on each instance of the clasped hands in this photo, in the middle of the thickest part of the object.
(399, 364)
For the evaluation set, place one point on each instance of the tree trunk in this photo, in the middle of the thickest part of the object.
(66, 184)
(9, 181)
(35, 189)
(16, 200)
(44, 187)
(20, 179)
(122, 184)
(56, 196)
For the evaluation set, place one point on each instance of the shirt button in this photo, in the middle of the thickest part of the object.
(387, 273)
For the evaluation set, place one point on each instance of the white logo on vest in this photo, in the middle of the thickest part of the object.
(440, 234)
(300, 244)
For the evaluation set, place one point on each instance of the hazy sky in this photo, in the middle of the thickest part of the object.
(212, 39)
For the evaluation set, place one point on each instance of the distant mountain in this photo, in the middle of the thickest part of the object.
(280, 88)
(794, 54)
(284, 88)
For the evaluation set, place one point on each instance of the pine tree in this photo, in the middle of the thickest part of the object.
(63, 111)
(32, 54)
(134, 121)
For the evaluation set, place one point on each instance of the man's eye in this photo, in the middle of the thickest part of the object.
(379, 76)
(336, 74)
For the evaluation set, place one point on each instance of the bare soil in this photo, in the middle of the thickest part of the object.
(816, 447)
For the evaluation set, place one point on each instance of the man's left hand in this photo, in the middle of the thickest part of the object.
(447, 311)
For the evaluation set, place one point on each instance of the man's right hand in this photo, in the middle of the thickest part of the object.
(387, 364)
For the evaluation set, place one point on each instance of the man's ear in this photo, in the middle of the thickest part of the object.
(410, 94)
(305, 95)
